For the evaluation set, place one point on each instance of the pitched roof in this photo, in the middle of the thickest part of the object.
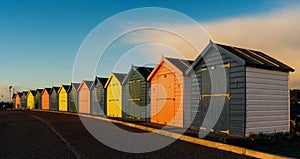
(66, 87)
(25, 93)
(54, 88)
(257, 58)
(75, 85)
(47, 89)
(145, 71)
(39, 90)
(19, 94)
(102, 80)
(33, 92)
(120, 76)
(181, 64)
(89, 83)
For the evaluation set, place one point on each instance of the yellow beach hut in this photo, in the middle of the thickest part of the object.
(63, 97)
(114, 94)
(30, 99)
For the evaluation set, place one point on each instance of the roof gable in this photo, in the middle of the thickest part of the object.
(142, 71)
(65, 87)
(33, 92)
(39, 91)
(180, 65)
(24, 93)
(54, 89)
(89, 84)
(249, 57)
(46, 90)
(74, 86)
(257, 59)
(101, 80)
(119, 76)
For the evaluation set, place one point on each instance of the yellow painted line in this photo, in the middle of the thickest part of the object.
(207, 143)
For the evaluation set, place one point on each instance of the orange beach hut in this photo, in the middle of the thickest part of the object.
(46, 98)
(167, 92)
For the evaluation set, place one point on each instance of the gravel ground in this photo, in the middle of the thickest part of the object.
(24, 135)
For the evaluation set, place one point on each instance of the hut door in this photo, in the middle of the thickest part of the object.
(135, 98)
(166, 98)
(208, 95)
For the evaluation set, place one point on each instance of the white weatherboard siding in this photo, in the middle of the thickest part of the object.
(267, 101)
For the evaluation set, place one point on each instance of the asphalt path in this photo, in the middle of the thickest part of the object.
(29, 134)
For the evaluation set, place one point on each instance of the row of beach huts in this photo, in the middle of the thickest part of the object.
(179, 92)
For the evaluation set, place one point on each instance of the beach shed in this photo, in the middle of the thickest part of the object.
(168, 92)
(99, 96)
(24, 100)
(84, 97)
(18, 100)
(257, 94)
(38, 99)
(54, 98)
(30, 99)
(63, 97)
(114, 94)
(136, 94)
(72, 97)
(46, 98)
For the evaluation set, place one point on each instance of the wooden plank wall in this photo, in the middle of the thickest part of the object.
(267, 101)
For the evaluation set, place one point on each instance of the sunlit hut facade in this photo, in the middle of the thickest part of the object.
(18, 100)
(73, 97)
(38, 99)
(46, 98)
(114, 94)
(54, 98)
(84, 97)
(24, 100)
(168, 92)
(136, 97)
(31, 99)
(63, 97)
(257, 94)
(99, 96)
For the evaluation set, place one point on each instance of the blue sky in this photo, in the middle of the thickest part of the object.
(39, 39)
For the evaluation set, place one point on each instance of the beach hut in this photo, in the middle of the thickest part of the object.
(84, 97)
(63, 97)
(72, 97)
(168, 91)
(38, 99)
(30, 99)
(257, 94)
(99, 96)
(54, 98)
(24, 100)
(136, 97)
(114, 94)
(46, 98)
(18, 100)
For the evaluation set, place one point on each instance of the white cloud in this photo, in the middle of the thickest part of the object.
(277, 33)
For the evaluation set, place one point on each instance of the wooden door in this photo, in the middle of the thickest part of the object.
(211, 95)
(166, 98)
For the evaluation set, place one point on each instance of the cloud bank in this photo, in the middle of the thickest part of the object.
(276, 33)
